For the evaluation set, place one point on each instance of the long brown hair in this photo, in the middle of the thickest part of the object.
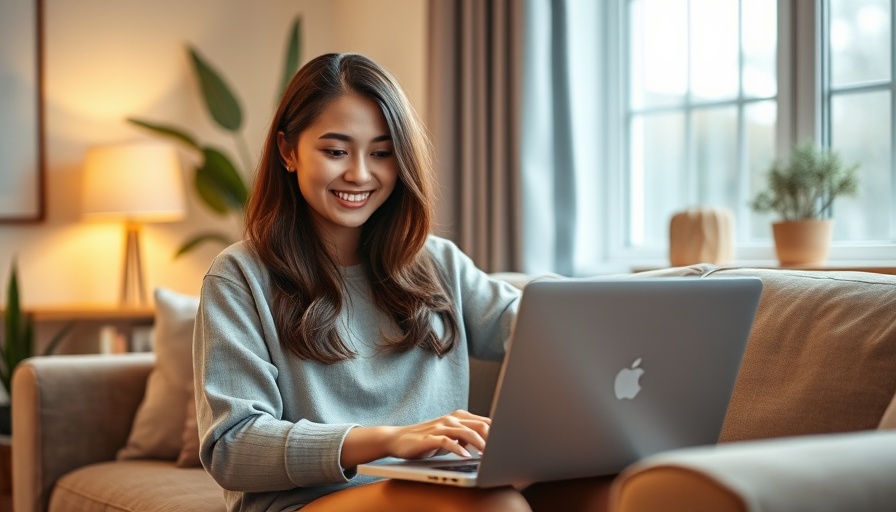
(307, 287)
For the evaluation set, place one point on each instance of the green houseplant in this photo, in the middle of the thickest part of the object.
(217, 180)
(802, 193)
(17, 343)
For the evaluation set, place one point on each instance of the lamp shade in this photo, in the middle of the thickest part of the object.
(137, 181)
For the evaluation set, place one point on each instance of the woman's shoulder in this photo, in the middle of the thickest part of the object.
(448, 256)
(440, 247)
(237, 258)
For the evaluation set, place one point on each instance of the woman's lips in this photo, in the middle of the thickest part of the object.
(352, 199)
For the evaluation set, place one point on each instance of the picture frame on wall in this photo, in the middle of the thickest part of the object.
(22, 195)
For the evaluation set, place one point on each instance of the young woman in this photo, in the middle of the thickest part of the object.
(339, 331)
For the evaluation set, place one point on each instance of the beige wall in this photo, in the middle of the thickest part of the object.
(105, 60)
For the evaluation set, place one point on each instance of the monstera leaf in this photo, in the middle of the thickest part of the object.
(219, 183)
(219, 101)
(293, 54)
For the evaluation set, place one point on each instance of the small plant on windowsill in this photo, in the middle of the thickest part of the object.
(17, 342)
(802, 193)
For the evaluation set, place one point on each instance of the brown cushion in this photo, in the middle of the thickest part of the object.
(158, 427)
(138, 485)
(821, 357)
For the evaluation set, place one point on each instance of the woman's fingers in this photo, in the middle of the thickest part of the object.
(452, 433)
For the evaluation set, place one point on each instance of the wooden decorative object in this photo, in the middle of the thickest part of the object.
(701, 235)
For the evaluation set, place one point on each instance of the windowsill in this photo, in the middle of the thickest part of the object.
(879, 267)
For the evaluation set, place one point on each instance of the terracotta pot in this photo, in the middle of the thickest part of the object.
(803, 242)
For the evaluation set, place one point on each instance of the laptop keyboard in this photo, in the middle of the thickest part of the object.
(460, 468)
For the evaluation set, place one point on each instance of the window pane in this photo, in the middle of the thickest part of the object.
(860, 132)
(760, 119)
(714, 62)
(859, 41)
(760, 44)
(658, 52)
(657, 184)
(715, 156)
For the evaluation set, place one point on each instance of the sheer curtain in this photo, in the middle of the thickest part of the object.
(563, 149)
(475, 93)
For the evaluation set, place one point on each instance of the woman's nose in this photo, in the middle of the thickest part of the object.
(359, 172)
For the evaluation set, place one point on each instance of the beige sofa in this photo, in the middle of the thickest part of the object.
(819, 375)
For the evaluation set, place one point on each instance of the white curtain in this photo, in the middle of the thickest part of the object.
(562, 145)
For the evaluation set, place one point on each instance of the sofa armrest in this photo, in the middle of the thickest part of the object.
(824, 473)
(67, 412)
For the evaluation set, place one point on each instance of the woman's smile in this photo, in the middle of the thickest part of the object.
(352, 199)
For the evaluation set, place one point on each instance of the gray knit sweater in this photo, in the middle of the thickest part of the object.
(272, 425)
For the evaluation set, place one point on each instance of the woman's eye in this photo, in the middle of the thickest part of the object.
(381, 154)
(335, 152)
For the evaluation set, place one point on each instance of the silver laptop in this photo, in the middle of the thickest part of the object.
(600, 373)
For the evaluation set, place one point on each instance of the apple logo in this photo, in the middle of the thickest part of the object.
(627, 385)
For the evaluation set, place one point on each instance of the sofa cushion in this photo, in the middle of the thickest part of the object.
(821, 357)
(139, 485)
(159, 424)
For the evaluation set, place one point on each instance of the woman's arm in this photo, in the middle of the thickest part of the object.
(448, 434)
(246, 442)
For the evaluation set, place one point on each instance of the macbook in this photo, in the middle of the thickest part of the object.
(600, 373)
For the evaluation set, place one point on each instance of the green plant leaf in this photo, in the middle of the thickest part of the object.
(200, 239)
(13, 326)
(806, 185)
(293, 53)
(57, 339)
(219, 100)
(219, 184)
(166, 131)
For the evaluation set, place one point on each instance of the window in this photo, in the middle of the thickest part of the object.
(701, 110)
(682, 103)
(857, 112)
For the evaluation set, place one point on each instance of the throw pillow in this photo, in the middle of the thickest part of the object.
(157, 432)
(189, 452)
(888, 422)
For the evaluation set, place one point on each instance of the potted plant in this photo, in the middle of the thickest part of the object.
(802, 193)
(217, 180)
(17, 343)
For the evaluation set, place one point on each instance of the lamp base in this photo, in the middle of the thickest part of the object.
(133, 291)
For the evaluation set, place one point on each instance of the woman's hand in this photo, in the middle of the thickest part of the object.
(451, 433)
(448, 434)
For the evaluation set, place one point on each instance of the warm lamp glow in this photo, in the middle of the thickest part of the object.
(138, 182)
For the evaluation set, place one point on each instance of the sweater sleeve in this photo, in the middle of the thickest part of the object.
(487, 306)
(245, 443)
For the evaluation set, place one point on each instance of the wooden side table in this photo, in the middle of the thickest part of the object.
(88, 319)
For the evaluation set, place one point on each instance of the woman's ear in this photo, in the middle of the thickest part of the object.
(287, 152)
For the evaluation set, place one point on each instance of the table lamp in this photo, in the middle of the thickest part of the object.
(139, 183)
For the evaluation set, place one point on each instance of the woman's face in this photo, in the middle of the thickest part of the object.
(345, 165)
